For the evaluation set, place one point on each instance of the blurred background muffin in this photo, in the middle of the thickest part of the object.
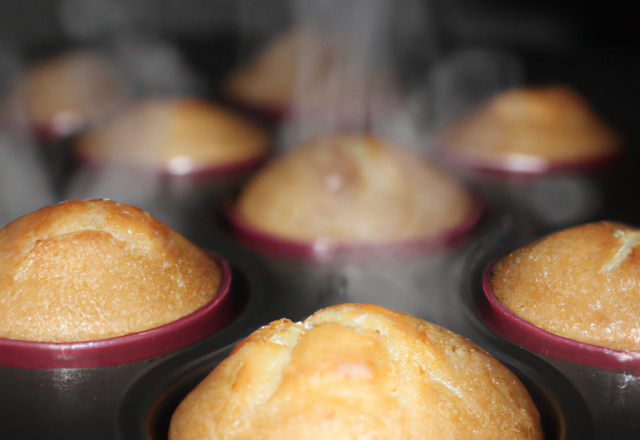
(531, 130)
(542, 150)
(61, 95)
(352, 190)
(354, 218)
(168, 156)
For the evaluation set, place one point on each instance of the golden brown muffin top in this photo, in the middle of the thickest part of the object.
(352, 189)
(166, 132)
(553, 123)
(357, 371)
(73, 88)
(581, 283)
(87, 270)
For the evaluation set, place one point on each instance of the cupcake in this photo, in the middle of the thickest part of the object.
(577, 284)
(542, 150)
(167, 156)
(267, 81)
(93, 293)
(64, 94)
(572, 298)
(352, 191)
(93, 270)
(356, 371)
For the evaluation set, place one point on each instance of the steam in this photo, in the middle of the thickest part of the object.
(129, 32)
(23, 184)
(388, 68)
(391, 69)
(143, 188)
(345, 74)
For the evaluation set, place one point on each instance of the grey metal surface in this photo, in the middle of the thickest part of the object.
(431, 287)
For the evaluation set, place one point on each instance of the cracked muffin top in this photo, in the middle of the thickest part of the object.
(97, 269)
(580, 283)
(357, 371)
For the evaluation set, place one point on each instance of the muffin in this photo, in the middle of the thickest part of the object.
(66, 93)
(531, 130)
(580, 283)
(571, 298)
(352, 190)
(179, 136)
(92, 270)
(357, 371)
(268, 80)
(307, 72)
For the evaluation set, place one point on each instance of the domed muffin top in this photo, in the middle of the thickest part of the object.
(87, 270)
(353, 189)
(175, 133)
(357, 371)
(552, 123)
(581, 283)
(311, 69)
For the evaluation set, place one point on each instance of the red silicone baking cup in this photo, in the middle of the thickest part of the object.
(223, 169)
(128, 348)
(327, 249)
(522, 166)
(515, 329)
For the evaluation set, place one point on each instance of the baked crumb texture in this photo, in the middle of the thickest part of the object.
(581, 283)
(352, 189)
(87, 270)
(355, 372)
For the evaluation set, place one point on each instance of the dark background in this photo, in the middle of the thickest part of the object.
(592, 45)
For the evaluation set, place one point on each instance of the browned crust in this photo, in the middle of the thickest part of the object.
(86, 270)
(580, 283)
(357, 371)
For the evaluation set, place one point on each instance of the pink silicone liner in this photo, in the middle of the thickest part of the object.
(204, 171)
(326, 249)
(529, 167)
(515, 329)
(128, 348)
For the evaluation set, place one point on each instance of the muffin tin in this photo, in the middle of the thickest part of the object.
(148, 404)
(146, 409)
(547, 197)
(137, 399)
